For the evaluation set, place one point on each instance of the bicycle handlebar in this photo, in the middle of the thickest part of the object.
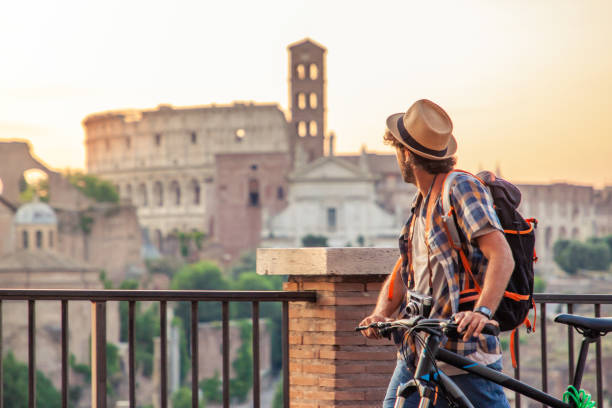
(447, 326)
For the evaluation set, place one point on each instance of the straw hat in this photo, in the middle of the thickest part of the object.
(425, 129)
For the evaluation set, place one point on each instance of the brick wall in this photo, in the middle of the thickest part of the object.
(331, 365)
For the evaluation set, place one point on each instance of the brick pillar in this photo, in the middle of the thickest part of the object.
(331, 365)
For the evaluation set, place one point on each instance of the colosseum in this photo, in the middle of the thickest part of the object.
(199, 168)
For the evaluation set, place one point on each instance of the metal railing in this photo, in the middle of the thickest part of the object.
(98, 299)
(544, 299)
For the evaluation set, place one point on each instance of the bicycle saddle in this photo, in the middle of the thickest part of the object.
(602, 325)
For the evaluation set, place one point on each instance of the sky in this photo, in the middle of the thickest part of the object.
(528, 83)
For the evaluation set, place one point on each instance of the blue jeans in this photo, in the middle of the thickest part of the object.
(481, 392)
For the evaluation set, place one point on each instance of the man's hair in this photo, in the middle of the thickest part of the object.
(430, 166)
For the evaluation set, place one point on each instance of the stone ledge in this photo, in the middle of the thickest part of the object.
(325, 261)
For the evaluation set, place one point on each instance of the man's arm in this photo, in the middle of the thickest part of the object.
(385, 307)
(501, 264)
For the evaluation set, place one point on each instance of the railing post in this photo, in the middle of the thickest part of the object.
(31, 354)
(329, 363)
(98, 354)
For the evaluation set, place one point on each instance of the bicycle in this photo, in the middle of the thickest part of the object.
(429, 380)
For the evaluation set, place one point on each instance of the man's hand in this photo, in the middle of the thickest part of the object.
(472, 323)
(373, 318)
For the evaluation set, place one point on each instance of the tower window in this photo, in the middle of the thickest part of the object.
(195, 187)
(128, 142)
(302, 100)
(39, 237)
(314, 102)
(300, 70)
(194, 138)
(301, 128)
(314, 130)
(50, 239)
(25, 240)
(253, 193)
(331, 219)
(157, 139)
(280, 193)
(314, 71)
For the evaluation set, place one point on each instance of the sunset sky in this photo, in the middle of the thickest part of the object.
(527, 83)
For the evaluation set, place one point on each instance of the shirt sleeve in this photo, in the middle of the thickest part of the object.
(474, 207)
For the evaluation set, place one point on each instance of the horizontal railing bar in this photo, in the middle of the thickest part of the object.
(157, 295)
(575, 299)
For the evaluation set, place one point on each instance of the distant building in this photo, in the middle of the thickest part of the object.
(36, 263)
(336, 199)
(76, 227)
(239, 173)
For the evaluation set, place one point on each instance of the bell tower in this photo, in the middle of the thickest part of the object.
(307, 98)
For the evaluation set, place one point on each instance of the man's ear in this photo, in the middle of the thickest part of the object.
(407, 153)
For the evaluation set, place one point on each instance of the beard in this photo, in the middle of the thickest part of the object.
(408, 171)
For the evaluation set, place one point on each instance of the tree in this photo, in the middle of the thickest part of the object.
(15, 383)
(311, 240)
(94, 187)
(166, 265)
(146, 326)
(27, 191)
(571, 256)
(182, 398)
(246, 263)
(200, 275)
(211, 388)
(241, 384)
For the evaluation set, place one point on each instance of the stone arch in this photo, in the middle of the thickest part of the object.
(313, 128)
(175, 192)
(575, 233)
(34, 182)
(548, 237)
(300, 71)
(158, 194)
(301, 128)
(143, 196)
(313, 100)
(196, 192)
(301, 100)
(16, 159)
(128, 192)
(313, 71)
(159, 240)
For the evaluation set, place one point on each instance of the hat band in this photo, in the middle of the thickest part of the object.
(416, 145)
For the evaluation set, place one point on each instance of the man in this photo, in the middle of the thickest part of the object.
(425, 149)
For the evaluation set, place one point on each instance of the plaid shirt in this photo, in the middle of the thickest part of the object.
(474, 209)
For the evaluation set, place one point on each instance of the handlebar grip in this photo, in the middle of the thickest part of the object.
(451, 330)
(491, 329)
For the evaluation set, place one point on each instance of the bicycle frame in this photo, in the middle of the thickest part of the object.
(425, 371)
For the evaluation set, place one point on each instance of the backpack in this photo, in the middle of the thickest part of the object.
(520, 235)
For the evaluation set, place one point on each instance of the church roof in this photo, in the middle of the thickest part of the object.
(36, 213)
(377, 163)
(304, 42)
(41, 261)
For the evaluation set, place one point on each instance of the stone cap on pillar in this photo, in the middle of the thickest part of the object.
(326, 261)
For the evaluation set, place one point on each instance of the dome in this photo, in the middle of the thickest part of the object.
(36, 213)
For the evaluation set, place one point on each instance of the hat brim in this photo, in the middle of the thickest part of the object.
(451, 149)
